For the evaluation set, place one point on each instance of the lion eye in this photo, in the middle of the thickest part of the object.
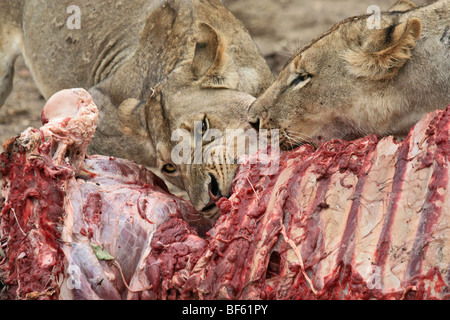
(169, 168)
(204, 127)
(301, 77)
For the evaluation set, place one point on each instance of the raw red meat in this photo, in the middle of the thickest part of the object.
(65, 217)
(366, 219)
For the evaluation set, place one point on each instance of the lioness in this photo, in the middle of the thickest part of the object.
(151, 66)
(354, 80)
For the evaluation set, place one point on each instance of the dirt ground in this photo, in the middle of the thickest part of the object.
(277, 26)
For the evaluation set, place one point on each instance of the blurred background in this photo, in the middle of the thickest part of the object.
(277, 26)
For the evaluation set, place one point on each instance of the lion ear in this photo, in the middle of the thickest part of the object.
(385, 51)
(211, 64)
(402, 5)
(136, 117)
(132, 117)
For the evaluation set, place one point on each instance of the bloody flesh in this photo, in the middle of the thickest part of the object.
(364, 219)
(64, 215)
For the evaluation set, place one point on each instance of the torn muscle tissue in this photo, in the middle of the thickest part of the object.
(58, 206)
(350, 220)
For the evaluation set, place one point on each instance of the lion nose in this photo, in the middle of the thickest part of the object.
(214, 190)
(255, 124)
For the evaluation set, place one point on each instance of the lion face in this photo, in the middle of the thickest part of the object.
(335, 87)
(188, 116)
(192, 129)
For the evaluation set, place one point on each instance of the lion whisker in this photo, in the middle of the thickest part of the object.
(299, 138)
(298, 134)
(296, 141)
(291, 141)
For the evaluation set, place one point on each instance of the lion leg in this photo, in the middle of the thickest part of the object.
(9, 51)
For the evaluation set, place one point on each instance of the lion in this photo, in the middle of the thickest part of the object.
(356, 80)
(151, 66)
